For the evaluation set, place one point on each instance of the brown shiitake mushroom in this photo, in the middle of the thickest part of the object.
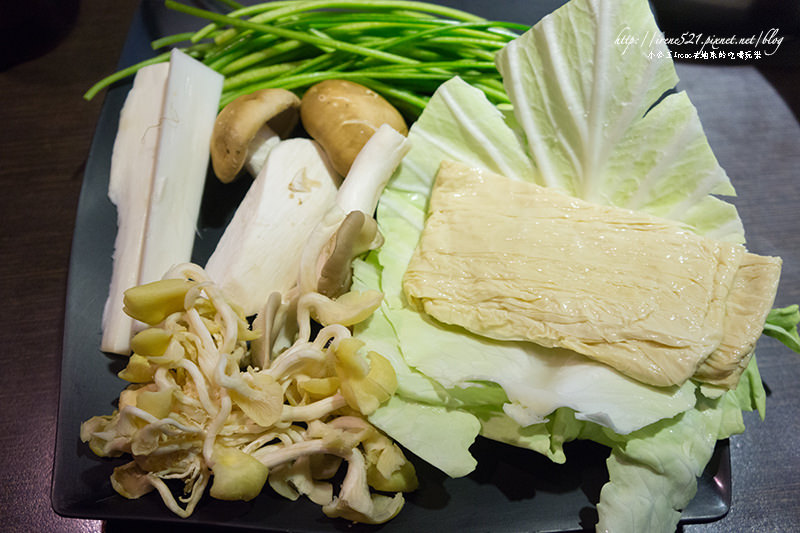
(342, 115)
(242, 120)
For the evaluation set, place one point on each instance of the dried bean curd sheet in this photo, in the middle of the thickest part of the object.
(513, 261)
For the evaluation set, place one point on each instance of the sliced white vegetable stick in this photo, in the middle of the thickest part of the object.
(190, 108)
(158, 171)
(130, 181)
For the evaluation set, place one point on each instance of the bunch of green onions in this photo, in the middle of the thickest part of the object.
(402, 49)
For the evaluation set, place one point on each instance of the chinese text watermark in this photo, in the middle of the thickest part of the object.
(691, 45)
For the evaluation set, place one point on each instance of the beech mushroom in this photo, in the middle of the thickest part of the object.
(342, 115)
(248, 124)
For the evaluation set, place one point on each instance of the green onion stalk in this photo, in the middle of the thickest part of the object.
(402, 49)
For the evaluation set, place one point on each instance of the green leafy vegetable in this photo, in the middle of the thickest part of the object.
(461, 124)
(604, 124)
(663, 461)
(601, 121)
(782, 325)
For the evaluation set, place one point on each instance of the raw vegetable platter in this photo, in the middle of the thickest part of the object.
(511, 489)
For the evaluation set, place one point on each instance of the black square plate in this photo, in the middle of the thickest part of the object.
(511, 490)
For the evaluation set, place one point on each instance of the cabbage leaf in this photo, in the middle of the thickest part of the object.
(782, 325)
(602, 122)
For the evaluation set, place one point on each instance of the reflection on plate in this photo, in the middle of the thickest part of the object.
(512, 489)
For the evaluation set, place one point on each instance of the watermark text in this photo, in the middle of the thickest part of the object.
(691, 45)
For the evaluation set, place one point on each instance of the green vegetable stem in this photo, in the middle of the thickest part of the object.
(402, 49)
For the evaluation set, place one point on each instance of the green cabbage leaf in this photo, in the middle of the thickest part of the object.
(602, 122)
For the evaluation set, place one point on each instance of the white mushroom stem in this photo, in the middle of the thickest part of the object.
(268, 321)
(259, 148)
(271, 457)
(355, 501)
(207, 352)
(333, 333)
(349, 309)
(371, 170)
(294, 356)
(200, 385)
(354, 492)
(135, 412)
(350, 423)
(215, 427)
(261, 248)
(198, 488)
(313, 411)
(360, 190)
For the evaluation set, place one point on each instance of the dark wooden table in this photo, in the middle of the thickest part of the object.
(750, 113)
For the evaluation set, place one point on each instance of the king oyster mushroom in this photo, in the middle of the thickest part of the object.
(357, 234)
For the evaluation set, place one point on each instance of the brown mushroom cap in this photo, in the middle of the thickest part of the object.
(342, 115)
(240, 120)
(356, 234)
